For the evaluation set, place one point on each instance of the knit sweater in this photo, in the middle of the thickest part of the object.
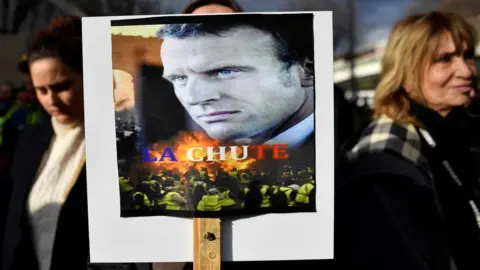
(55, 176)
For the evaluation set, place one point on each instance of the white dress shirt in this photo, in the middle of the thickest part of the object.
(295, 135)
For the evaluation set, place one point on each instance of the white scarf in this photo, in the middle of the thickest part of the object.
(56, 175)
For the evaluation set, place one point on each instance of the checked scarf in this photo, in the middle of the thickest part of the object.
(384, 135)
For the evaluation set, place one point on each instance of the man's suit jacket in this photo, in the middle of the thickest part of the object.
(71, 245)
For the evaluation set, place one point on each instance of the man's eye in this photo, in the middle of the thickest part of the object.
(179, 79)
(224, 73)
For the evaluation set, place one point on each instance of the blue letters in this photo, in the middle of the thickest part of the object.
(170, 155)
(146, 156)
(167, 153)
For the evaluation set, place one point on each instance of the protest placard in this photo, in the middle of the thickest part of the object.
(211, 115)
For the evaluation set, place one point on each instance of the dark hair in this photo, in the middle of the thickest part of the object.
(200, 3)
(62, 39)
(292, 44)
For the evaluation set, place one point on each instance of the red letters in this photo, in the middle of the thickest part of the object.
(280, 151)
(260, 148)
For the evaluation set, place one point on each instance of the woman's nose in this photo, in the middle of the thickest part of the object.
(465, 69)
(53, 98)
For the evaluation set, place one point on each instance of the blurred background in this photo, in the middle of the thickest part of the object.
(361, 28)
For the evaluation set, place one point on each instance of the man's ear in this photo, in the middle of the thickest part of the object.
(307, 73)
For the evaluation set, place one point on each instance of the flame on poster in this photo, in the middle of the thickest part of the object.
(181, 144)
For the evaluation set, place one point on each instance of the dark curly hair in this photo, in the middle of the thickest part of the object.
(62, 39)
(200, 3)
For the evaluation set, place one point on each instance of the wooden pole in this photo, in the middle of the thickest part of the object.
(206, 244)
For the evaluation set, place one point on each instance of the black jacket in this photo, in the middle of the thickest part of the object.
(71, 246)
(391, 215)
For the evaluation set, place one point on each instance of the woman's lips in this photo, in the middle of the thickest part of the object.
(56, 112)
(463, 88)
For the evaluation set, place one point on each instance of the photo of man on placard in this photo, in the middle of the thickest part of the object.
(227, 117)
(241, 82)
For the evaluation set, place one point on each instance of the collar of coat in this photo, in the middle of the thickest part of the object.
(383, 135)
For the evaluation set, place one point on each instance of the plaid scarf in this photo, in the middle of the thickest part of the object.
(384, 135)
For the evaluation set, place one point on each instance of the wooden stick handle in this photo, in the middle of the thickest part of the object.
(206, 244)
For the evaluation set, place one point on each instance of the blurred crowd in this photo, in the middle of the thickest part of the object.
(18, 107)
(201, 190)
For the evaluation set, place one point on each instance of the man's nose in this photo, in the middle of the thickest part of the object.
(200, 91)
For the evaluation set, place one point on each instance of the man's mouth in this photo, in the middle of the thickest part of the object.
(217, 116)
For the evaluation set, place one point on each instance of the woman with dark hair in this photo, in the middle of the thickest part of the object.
(47, 221)
(212, 6)
(48, 199)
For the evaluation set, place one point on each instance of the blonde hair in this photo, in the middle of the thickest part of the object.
(411, 47)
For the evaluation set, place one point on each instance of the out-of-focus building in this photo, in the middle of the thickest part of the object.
(367, 71)
(132, 47)
(20, 19)
(13, 46)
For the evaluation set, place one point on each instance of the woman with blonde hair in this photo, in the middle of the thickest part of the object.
(406, 193)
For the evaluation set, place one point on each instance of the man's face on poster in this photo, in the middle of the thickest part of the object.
(233, 84)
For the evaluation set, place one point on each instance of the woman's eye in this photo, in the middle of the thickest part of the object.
(63, 86)
(41, 91)
(443, 58)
